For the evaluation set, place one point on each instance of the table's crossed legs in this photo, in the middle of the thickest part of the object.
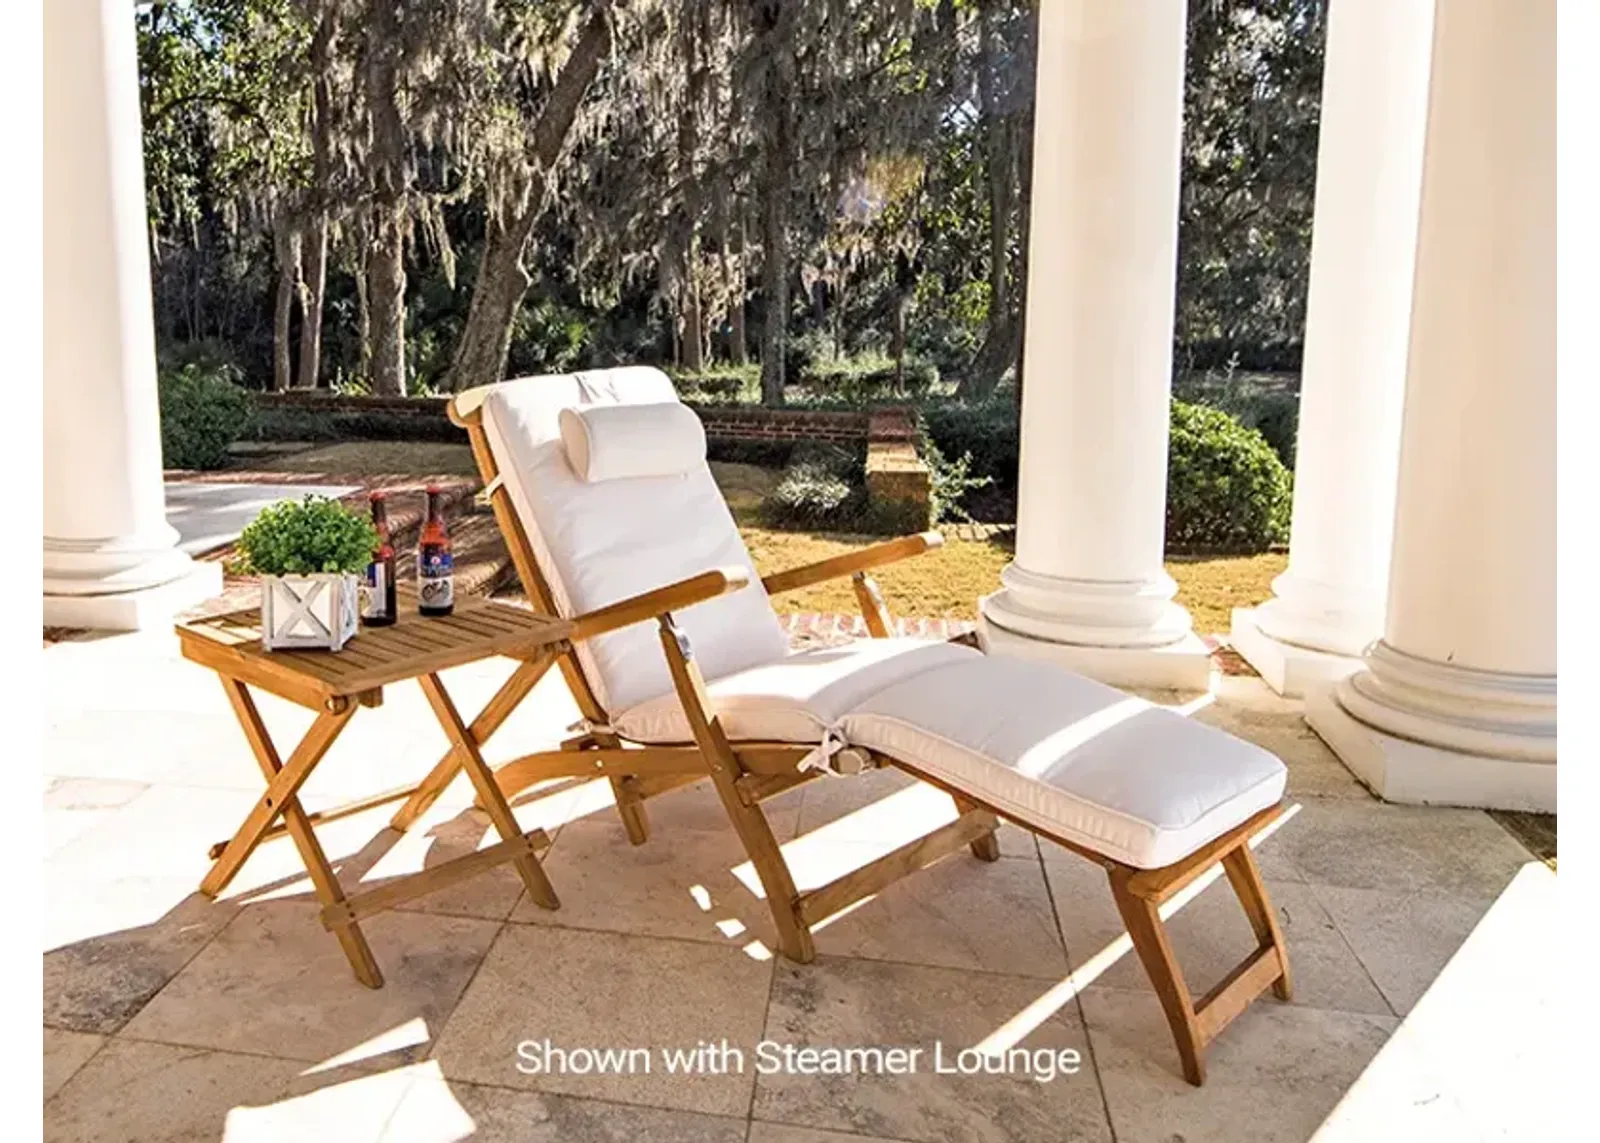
(341, 914)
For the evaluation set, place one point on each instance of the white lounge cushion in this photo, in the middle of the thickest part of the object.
(1076, 758)
(616, 442)
(798, 697)
(600, 543)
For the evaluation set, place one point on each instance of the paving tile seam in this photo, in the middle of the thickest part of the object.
(98, 1048)
(1077, 994)
(1344, 939)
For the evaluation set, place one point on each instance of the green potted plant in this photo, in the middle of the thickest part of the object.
(310, 555)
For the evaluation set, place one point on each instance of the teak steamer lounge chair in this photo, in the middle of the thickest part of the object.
(681, 671)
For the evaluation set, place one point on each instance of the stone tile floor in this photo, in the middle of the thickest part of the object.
(1419, 939)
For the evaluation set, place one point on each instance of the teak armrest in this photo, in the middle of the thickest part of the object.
(695, 589)
(838, 567)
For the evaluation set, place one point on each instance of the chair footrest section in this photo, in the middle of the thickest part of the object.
(1234, 993)
(877, 875)
(347, 912)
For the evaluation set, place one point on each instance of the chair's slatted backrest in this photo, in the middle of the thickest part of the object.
(596, 544)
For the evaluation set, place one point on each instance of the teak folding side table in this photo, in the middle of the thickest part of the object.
(335, 684)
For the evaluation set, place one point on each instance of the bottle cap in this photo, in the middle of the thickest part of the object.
(377, 494)
(434, 490)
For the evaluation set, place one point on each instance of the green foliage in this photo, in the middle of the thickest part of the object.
(1226, 489)
(909, 148)
(305, 537)
(1252, 93)
(951, 481)
(299, 424)
(821, 489)
(203, 411)
(863, 379)
(548, 337)
(720, 384)
(987, 432)
(1263, 402)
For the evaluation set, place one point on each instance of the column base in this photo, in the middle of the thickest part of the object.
(1400, 770)
(1290, 670)
(135, 610)
(1181, 666)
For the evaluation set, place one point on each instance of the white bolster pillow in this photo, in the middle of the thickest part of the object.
(610, 442)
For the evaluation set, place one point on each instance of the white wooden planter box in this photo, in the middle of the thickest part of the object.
(304, 612)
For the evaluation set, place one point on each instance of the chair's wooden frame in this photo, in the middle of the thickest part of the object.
(746, 773)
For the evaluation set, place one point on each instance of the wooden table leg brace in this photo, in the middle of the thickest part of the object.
(340, 914)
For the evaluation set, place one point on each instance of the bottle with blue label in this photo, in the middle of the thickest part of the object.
(436, 591)
(377, 593)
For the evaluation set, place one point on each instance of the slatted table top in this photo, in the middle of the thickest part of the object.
(415, 645)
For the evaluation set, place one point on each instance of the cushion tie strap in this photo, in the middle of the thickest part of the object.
(834, 756)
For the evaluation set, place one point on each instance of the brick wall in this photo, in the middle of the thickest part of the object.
(723, 423)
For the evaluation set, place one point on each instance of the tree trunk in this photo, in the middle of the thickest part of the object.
(480, 358)
(1024, 237)
(286, 241)
(386, 301)
(363, 309)
(738, 343)
(775, 20)
(313, 290)
(775, 288)
(999, 349)
(386, 268)
(314, 287)
(694, 32)
(693, 328)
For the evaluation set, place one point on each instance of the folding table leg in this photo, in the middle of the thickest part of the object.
(315, 744)
(489, 795)
(494, 714)
(283, 781)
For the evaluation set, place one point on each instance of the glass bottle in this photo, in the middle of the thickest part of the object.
(378, 605)
(436, 595)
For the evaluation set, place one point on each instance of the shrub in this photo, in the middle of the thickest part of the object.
(821, 489)
(861, 379)
(950, 483)
(988, 432)
(1226, 489)
(804, 352)
(1275, 415)
(1272, 409)
(810, 495)
(719, 384)
(203, 411)
(304, 537)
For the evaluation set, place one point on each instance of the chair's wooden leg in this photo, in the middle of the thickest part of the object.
(489, 795)
(1142, 916)
(630, 808)
(493, 715)
(323, 879)
(874, 611)
(750, 822)
(987, 847)
(1245, 877)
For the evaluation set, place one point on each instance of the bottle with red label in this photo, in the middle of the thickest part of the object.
(436, 592)
(378, 597)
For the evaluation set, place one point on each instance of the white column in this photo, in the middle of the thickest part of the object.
(1329, 604)
(109, 554)
(1087, 587)
(1457, 703)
